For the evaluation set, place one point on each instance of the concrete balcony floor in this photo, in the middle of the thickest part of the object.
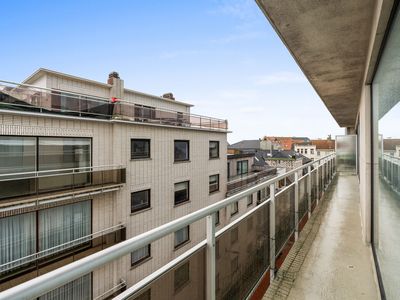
(329, 260)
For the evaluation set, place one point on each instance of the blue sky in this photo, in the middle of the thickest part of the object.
(221, 56)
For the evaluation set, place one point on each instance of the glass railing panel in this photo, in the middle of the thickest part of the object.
(17, 187)
(314, 187)
(242, 255)
(54, 181)
(284, 217)
(303, 201)
(184, 281)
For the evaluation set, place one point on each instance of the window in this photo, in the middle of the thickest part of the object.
(234, 208)
(63, 153)
(140, 200)
(140, 148)
(234, 235)
(249, 200)
(217, 218)
(305, 151)
(235, 264)
(318, 153)
(213, 183)
(181, 192)
(249, 223)
(181, 276)
(140, 255)
(181, 150)
(181, 236)
(311, 151)
(17, 154)
(214, 149)
(242, 167)
(62, 224)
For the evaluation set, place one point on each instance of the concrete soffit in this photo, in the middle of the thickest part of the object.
(330, 41)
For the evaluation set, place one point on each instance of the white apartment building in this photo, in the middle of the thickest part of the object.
(316, 148)
(86, 164)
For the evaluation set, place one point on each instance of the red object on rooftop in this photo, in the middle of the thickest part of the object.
(114, 99)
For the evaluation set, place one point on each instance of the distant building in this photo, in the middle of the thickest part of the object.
(315, 149)
(245, 146)
(391, 147)
(286, 143)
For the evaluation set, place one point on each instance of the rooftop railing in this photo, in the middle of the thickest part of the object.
(230, 263)
(390, 170)
(28, 98)
(42, 182)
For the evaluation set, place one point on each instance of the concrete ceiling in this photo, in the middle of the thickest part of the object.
(329, 39)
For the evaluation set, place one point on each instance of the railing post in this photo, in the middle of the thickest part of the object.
(272, 231)
(296, 205)
(210, 275)
(309, 186)
(318, 181)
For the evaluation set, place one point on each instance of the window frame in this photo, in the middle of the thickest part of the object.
(251, 197)
(241, 163)
(176, 246)
(236, 210)
(210, 191)
(144, 258)
(142, 140)
(209, 150)
(188, 193)
(188, 150)
(144, 207)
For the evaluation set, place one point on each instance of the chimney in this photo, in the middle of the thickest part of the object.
(117, 89)
(168, 96)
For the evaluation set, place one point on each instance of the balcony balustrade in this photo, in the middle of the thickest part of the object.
(237, 261)
(241, 182)
(45, 183)
(27, 98)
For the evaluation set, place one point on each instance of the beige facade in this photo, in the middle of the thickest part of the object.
(111, 145)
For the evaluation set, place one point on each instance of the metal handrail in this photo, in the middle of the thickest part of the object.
(54, 279)
(58, 248)
(59, 172)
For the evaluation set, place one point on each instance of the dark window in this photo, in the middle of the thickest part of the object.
(140, 255)
(249, 223)
(181, 150)
(214, 149)
(217, 218)
(181, 276)
(234, 235)
(235, 264)
(181, 236)
(140, 148)
(249, 200)
(234, 208)
(140, 200)
(242, 167)
(213, 183)
(181, 192)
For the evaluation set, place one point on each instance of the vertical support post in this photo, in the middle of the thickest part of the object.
(323, 175)
(272, 231)
(318, 181)
(309, 191)
(210, 275)
(296, 205)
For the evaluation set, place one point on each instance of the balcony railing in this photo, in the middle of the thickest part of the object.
(34, 263)
(30, 98)
(232, 263)
(391, 171)
(239, 183)
(44, 182)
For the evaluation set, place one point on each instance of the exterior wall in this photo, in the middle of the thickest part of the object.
(111, 145)
(289, 164)
(309, 151)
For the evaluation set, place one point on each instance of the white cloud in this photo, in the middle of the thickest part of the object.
(280, 77)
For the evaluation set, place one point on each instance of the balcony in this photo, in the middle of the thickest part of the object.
(257, 249)
(26, 98)
(28, 267)
(240, 182)
(44, 185)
